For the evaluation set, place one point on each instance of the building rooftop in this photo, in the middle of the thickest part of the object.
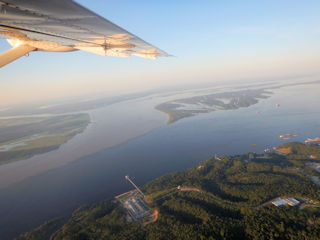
(279, 203)
(286, 201)
(293, 202)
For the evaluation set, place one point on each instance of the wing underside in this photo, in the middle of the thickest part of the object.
(66, 23)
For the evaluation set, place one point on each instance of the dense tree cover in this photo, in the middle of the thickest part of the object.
(243, 182)
(302, 151)
(282, 223)
(44, 231)
(105, 220)
(228, 206)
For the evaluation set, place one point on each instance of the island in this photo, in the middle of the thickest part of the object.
(24, 137)
(187, 107)
(250, 196)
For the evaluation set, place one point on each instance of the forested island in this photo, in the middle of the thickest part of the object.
(229, 197)
(191, 106)
(24, 137)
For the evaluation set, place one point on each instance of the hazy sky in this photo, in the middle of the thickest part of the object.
(212, 41)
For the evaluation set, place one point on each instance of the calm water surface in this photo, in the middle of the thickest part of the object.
(164, 149)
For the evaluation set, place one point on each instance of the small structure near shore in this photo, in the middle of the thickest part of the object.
(216, 157)
(288, 136)
(135, 204)
(286, 201)
(251, 156)
(188, 189)
(314, 141)
(136, 207)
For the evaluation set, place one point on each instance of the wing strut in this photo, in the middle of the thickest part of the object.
(14, 53)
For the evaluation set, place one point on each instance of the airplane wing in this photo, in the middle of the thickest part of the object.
(64, 25)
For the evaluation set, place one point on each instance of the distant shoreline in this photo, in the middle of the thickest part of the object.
(206, 103)
(23, 138)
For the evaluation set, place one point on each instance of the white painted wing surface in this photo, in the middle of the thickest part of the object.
(67, 23)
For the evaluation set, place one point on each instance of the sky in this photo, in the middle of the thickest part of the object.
(212, 41)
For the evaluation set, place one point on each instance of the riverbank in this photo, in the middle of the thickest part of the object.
(23, 138)
(227, 195)
(59, 184)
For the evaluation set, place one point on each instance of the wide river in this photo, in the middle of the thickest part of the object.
(132, 138)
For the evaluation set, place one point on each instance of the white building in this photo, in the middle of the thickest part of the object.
(286, 201)
(279, 203)
(292, 202)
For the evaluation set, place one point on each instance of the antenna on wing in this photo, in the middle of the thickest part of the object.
(105, 45)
